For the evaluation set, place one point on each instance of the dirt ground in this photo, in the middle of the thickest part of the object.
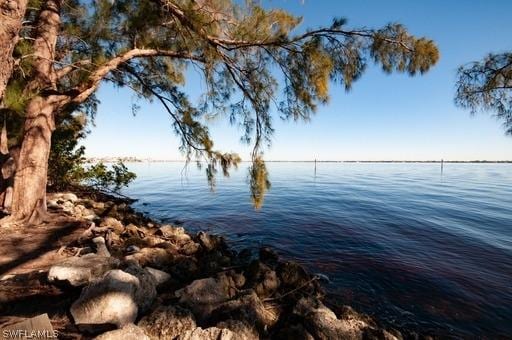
(25, 256)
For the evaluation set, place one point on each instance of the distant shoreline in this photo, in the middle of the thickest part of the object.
(135, 160)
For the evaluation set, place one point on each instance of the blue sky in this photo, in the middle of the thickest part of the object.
(384, 117)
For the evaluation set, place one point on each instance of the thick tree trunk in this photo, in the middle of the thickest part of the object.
(29, 195)
(11, 17)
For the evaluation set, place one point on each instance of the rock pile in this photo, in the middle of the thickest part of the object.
(143, 280)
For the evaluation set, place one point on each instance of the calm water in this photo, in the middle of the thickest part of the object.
(417, 248)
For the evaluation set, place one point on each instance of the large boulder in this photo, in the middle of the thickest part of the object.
(167, 322)
(212, 333)
(160, 277)
(114, 300)
(322, 323)
(204, 295)
(128, 332)
(78, 271)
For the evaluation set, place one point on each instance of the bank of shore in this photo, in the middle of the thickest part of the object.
(101, 270)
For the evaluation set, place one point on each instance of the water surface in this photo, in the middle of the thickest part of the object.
(415, 247)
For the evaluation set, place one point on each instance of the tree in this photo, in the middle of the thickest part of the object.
(246, 54)
(487, 85)
(11, 17)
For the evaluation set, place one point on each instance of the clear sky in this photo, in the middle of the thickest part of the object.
(384, 117)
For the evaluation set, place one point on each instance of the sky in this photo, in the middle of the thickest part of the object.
(383, 117)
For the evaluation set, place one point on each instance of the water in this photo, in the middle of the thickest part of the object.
(415, 247)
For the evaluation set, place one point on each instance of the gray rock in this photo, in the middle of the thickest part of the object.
(78, 271)
(160, 277)
(110, 300)
(204, 295)
(167, 322)
(128, 332)
(212, 333)
(323, 323)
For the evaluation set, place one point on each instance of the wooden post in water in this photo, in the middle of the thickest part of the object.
(315, 167)
(442, 163)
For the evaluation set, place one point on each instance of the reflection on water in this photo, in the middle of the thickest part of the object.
(418, 248)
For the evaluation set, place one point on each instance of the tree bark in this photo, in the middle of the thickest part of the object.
(11, 18)
(29, 195)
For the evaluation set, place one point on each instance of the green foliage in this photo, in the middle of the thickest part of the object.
(487, 85)
(101, 177)
(254, 62)
(67, 165)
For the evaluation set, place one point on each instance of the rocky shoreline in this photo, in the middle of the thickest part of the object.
(126, 277)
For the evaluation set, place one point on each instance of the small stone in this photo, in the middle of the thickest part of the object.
(128, 332)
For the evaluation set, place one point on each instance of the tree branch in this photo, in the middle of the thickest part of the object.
(85, 90)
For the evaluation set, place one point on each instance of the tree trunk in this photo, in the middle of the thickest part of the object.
(29, 197)
(11, 17)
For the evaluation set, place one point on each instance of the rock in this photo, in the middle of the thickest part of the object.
(68, 207)
(268, 285)
(101, 247)
(128, 332)
(145, 293)
(204, 295)
(78, 271)
(132, 249)
(268, 255)
(292, 274)
(242, 330)
(295, 332)
(113, 223)
(185, 267)
(189, 248)
(52, 204)
(69, 197)
(210, 242)
(167, 322)
(115, 299)
(175, 233)
(160, 277)
(109, 301)
(212, 333)
(323, 323)
(88, 214)
(152, 257)
(246, 308)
